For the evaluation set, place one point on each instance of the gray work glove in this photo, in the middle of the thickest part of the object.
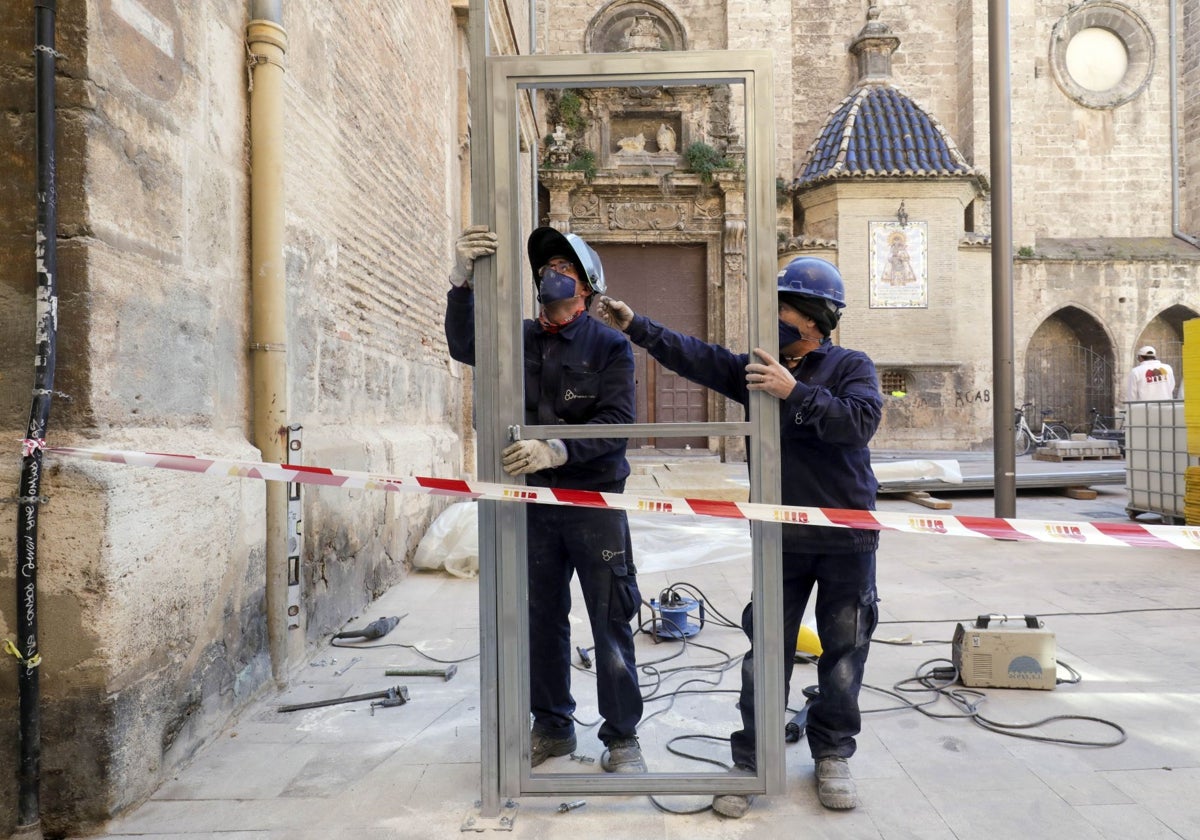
(615, 313)
(474, 242)
(530, 456)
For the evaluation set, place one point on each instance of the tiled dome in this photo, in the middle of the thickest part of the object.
(878, 131)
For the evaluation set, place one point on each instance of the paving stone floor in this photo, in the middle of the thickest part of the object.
(1127, 620)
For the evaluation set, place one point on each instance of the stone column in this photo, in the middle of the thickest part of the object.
(560, 183)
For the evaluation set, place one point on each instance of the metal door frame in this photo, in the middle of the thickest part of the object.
(504, 631)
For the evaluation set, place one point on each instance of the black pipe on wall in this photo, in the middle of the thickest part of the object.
(30, 498)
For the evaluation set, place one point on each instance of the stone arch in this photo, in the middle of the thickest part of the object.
(1070, 367)
(634, 26)
(1164, 332)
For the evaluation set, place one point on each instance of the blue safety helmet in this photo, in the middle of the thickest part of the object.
(813, 277)
(546, 242)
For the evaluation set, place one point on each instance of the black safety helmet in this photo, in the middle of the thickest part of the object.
(546, 242)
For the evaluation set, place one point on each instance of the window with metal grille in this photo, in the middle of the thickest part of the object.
(891, 381)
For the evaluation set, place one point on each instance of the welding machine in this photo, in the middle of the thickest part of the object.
(1000, 655)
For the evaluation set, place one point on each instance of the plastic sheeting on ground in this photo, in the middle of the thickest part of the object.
(947, 471)
(452, 542)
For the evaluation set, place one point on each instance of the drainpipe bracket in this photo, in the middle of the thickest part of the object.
(25, 500)
(53, 53)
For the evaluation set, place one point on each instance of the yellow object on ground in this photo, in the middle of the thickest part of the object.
(808, 641)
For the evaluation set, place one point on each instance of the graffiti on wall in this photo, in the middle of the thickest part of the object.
(962, 399)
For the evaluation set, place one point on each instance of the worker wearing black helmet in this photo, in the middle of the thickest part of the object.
(830, 407)
(577, 370)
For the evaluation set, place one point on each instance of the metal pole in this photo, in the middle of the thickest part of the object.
(1000, 118)
(479, 37)
(46, 256)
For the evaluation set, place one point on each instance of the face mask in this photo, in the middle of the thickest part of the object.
(554, 286)
(788, 334)
(560, 289)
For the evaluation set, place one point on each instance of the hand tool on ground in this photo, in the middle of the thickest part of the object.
(793, 731)
(348, 666)
(393, 699)
(571, 806)
(403, 671)
(379, 627)
(397, 694)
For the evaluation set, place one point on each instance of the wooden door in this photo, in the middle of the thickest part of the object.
(665, 282)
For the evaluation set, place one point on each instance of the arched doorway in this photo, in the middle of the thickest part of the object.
(1069, 369)
(1165, 334)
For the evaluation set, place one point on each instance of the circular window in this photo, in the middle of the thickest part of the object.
(1097, 59)
(1102, 53)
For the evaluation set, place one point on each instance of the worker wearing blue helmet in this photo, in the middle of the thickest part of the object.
(577, 371)
(830, 407)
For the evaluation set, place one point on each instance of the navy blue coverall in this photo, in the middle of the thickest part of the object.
(825, 426)
(583, 373)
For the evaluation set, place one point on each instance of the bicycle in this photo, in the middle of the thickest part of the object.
(1105, 427)
(1026, 438)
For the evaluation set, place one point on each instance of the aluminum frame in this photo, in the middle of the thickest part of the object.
(504, 631)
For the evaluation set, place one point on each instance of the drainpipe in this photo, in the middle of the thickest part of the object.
(266, 41)
(29, 498)
(1174, 76)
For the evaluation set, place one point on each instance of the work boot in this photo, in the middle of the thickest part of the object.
(835, 786)
(623, 755)
(542, 747)
(733, 805)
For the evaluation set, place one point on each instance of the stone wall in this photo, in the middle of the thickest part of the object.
(1188, 46)
(756, 25)
(151, 590)
(1109, 167)
(1140, 289)
(941, 350)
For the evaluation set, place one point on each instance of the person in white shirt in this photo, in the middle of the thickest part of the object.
(1150, 379)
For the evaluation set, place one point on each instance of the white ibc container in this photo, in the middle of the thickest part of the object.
(1156, 458)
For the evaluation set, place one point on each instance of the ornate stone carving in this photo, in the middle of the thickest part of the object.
(735, 236)
(635, 26)
(632, 145)
(586, 207)
(647, 215)
(708, 208)
(665, 138)
(559, 151)
(642, 35)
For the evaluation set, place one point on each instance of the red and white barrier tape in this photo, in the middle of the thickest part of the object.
(1036, 530)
